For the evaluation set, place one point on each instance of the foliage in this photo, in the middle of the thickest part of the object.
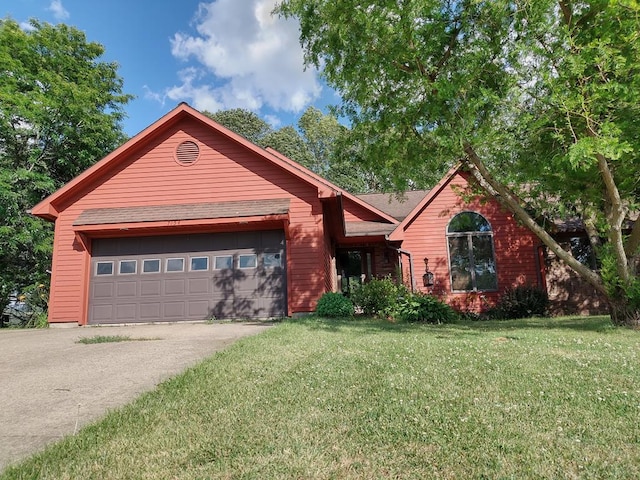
(334, 305)
(29, 309)
(61, 111)
(537, 99)
(523, 301)
(319, 143)
(419, 307)
(379, 296)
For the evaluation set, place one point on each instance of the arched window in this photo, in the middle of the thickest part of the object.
(472, 263)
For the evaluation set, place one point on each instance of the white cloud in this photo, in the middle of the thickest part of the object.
(58, 10)
(255, 59)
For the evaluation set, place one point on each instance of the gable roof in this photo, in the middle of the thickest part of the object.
(396, 206)
(50, 207)
(398, 231)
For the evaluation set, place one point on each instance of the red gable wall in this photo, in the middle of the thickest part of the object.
(515, 246)
(225, 171)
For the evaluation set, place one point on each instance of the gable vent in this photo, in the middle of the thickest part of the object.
(187, 152)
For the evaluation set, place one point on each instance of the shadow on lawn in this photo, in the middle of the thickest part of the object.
(468, 327)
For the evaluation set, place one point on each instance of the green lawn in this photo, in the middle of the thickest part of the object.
(545, 398)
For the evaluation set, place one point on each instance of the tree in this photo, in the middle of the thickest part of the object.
(320, 143)
(537, 98)
(60, 111)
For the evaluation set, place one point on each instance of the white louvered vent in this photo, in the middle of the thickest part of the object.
(187, 153)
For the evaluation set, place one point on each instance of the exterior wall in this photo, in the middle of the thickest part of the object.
(225, 171)
(569, 294)
(515, 246)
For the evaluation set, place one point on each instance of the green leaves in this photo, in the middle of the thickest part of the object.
(60, 112)
(545, 92)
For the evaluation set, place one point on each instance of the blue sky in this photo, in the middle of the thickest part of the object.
(214, 55)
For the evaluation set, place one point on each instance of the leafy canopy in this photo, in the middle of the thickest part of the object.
(537, 98)
(60, 111)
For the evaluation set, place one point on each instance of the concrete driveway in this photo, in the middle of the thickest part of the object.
(50, 385)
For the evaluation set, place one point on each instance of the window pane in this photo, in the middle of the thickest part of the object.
(150, 266)
(104, 268)
(460, 263)
(223, 262)
(175, 264)
(271, 260)
(468, 222)
(199, 263)
(248, 261)
(127, 267)
(485, 264)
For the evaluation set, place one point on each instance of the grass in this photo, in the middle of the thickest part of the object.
(110, 339)
(368, 399)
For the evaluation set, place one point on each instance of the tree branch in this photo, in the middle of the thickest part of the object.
(507, 199)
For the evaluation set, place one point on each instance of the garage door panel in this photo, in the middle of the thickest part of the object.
(150, 287)
(103, 290)
(199, 309)
(127, 289)
(174, 310)
(198, 285)
(102, 313)
(126, 311)
(151, 293)
(150, 311)
(174, 286)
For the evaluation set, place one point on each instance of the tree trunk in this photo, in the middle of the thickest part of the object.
(624, 313)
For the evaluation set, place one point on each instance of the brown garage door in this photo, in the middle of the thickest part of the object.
(188, 277)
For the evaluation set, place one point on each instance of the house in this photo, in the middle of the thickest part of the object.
(190, 221)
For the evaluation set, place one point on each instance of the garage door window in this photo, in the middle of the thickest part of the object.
(271, 260)
(127, 267)
(151, 265)
(175, 265)
(248, 261)
(104, 268)
(199, 263)
(223, 262)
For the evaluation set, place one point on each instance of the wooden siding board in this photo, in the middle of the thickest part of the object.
(224, 172)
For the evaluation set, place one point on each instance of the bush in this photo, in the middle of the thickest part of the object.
(521, 302)
(419, 307)
(334, 305)
(378, 297)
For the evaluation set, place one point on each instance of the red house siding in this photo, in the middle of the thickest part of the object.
(425, 237)
(224, 171)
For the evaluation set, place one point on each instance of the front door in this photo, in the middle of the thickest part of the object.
(354, 268)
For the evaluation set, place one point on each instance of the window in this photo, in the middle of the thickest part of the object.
(151, 266)
(472, 263)
(223, 262)
(104, 268)
(199, 263)
(271, 260)
(248, 261)
(175, 265)
(127, 267)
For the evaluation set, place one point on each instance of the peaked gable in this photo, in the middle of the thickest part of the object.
(50, 207)
(431, 194)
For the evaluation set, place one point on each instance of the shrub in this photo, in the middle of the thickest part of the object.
(378, 297)
(419, 307)
(334, 305)
(521, 302)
